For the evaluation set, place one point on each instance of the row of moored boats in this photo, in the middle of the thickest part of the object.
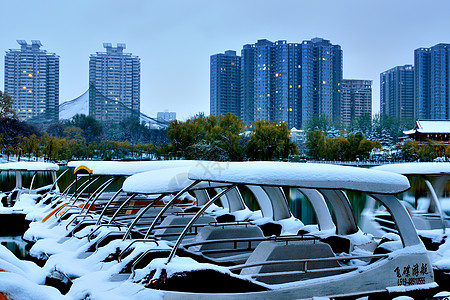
(182, 228)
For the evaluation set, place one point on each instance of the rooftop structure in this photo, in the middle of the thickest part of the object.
(424, 130)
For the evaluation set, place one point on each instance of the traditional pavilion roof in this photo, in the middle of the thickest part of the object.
(430, 126)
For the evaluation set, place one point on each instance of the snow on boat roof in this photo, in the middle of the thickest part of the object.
(29, 166)
(307, 175)
(126, 168)
(170, 180)
(416, 168)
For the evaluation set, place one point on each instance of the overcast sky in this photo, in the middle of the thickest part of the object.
(175, 39)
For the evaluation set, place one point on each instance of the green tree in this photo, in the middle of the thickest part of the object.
(6, 104)
(10, 150)
(365, 147)
(89, 125)
(321, 122)
(315, 144)
(354, 143)
(363, 124)
(428, 151)
(30, 146)
(219, 133)
(269, 140)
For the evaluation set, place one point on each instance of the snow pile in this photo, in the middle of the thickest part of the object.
(10, 263)
(301, 175)
(29, 166)
(177, 265)
(15, 286)
(416, 168)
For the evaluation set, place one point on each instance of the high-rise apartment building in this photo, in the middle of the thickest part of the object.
(356, 100)
(322, 71)
(397, 93)
(114, 84)
(270, 82)
(290, 82)
(432, 82)
(32, 80)
(225, 84)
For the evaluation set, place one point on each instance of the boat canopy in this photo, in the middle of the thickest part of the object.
(29, 166)
(301, 175)
(416, 168)
(169, 180)
(125, 168)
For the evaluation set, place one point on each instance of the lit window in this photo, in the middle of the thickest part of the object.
(30, 75)
(106, 102)
(290, 86)
(276, 74)
(299, 86)
(24, 87)
(324, 82)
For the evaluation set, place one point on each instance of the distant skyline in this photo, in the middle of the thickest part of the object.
(175, 39)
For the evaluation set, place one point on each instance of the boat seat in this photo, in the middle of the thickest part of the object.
(235, 251)
(287, 272)
(172, 233)
(226, 218)
(338, 244)
(270, 229)
(4, 201)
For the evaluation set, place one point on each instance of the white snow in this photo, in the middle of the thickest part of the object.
(163, 181)
(128, 167)
(15, 286)
(25, 268)
(430, 126)
(29, 166)
(416, 168)
(305, 175)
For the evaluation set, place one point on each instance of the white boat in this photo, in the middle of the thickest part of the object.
(339, 261)
(10, 199)
(79, 209)
(429, 213)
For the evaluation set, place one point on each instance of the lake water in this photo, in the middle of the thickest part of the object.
(298, 204)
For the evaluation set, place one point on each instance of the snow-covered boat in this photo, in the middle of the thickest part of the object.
(15, 204)
(337, 260)
(13, 198)
(91, 199)
(429, 214)
(104, 244)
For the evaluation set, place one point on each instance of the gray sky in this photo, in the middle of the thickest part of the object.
(175, 39)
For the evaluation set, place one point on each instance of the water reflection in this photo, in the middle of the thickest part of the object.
(298, 204)
(16, 245)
